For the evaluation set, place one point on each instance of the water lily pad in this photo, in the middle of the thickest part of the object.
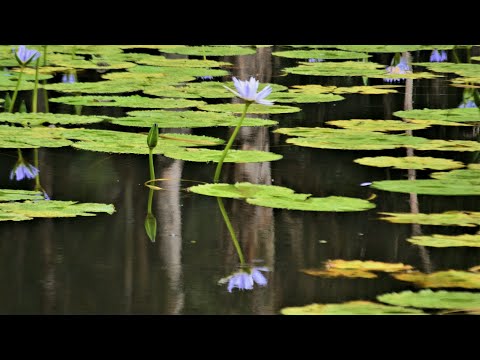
(96, 63)
(53, 209)
(185, 119)
(468, 70)
(376, 125)
(292, 97)
(410, 162)
(20, 137)
(473, 173)
(429, 299)
(131, 143)
(217, 50)
(438, 122)
(148, 78)
(439, 240)
(350, 273)
(281, 197)
(458, 115)
(368, 90)
(430, 187)
(97, 87)
(320, 54)
(134, 101)
(442, 279)
(207, 155)
(449, 218)
(392, 48)
(18, 195)
(367, 265)
(448, 145)
(36, 119)
(178, 72)
(350, 308)
(252, 109)
(156, 60)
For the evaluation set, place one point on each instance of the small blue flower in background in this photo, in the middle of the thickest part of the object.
(437, 56)
(401, 68)
(247, 90)
(312, 60)
(245, 279)
(468, 104)
(68, 78)
(23, 170)
(24, 56)
(206, 77)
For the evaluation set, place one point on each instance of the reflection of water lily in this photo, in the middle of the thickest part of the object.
(437, 56)
(315, 60)
(206, 77)
(68, 78)
(245, 279)
(23, 170)
(468, 104)
(247, 90)
(401, 68)
(24, 56)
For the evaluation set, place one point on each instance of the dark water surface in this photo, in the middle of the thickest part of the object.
(106, 264)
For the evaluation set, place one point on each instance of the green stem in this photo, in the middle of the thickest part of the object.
(150, 163)
(35, 89)
(36, 164)
(45, 81)
(230, 229)
(20, 157)
(14, 97)
(150, 199)
(218, 170)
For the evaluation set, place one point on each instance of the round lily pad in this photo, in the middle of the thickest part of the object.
(429, 299)
(410, 162)
(350, 308)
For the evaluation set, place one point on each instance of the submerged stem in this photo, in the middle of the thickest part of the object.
(231, 230)
(14, 97)
(150, 163)
(218, 170)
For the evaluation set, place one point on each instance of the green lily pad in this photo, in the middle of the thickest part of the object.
(463, 174)
(53, 209)
(349, 273)
(358, 307)
(429, 299)
(185, 119)
(442, 279)
(8, 81)
(155, 60)
(468, 70)
(148, 78)
(281, 198)
(97, 87)
(94, 50)
(376, 125)
(178, 72)
(449, 218)
(439, 240)
(20, 137)
(131, 143)
(457, 115)
(18, 195)
(410, 162)
(292, 97)
(217, 50)
(207, 155)
(36, 119)
(252, 109)
(368, 90)
(134, 101)
(393, 48)
(430, 187)
(448, 145)
(93, 64)
(320, 54)
(437, 122)
(367, 265)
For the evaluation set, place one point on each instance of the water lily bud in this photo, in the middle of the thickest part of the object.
(151, 226)
(152, 138)
(23, 107)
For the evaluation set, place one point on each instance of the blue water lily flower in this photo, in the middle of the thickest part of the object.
(401, 68)
(437, 56)
(247, 90)
(23, 170)
(468, 104)
(24, 56)
(258, 277)
(245, 279)
(68, 78)
(206, 77)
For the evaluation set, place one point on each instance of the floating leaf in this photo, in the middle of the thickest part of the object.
(367, 265)
(148, 77)
(36, 119)
(469, 70)
(320, 54)
(392, 48)
(155, 60)
(207, 155)
(292, 97)
(20, 137)
(351, 273)
(439, 240)
(18, 195)
(429, 299)
(430, 187)
(449, 218)
(442, 279)
(97, 87)
(93, 64)
(350, 308)
(473, 173)
(178, 72)
(185, 119)
(320, 89)
(134, 101)
(458, 115)
(252, 109)
(376, 125)
(410, 162)
(281, 197)
(449, 145)
(218, 50)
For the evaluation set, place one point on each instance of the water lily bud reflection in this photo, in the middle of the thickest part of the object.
(244, 279)
(151, 226)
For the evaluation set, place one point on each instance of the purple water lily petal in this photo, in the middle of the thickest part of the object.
(247, 90)
(258, 277)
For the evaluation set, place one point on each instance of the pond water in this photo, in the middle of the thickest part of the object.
(107, 264)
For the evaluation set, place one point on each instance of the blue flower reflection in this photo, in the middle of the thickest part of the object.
(23, 170)
(245, 279)
(437, 56)
(68, 78)
(401, 68)
(468, 104)
(206, 77)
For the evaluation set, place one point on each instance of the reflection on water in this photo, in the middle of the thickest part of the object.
(109, 263)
